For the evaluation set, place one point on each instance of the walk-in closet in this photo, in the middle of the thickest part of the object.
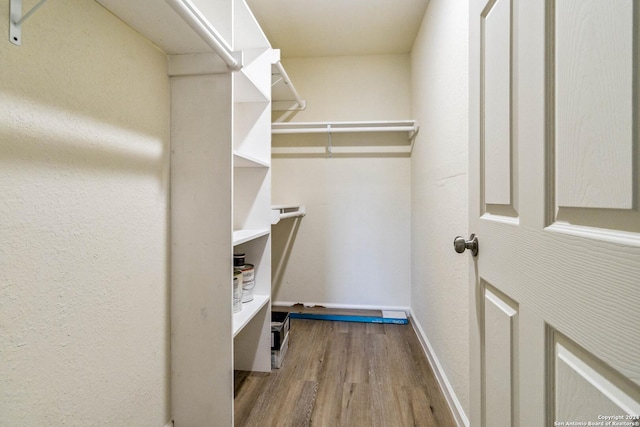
(319, 213)
(187, 183)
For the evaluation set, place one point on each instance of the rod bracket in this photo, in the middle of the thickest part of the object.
(16, 19)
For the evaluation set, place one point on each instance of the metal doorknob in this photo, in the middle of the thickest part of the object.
(460, 244)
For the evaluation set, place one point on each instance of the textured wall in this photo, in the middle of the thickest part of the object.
(352, 248)
(84, 125)
(439, 187)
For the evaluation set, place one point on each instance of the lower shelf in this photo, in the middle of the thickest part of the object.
(249, 310)
(243, 236)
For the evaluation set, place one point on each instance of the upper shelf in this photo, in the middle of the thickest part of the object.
(182, 27)
(160, 23)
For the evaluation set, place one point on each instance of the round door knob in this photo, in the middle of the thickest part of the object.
(460, 244)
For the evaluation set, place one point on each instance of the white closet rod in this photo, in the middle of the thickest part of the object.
(346, 127)
(286, 211)
(285, 78)
(203, 28)
(331, 129)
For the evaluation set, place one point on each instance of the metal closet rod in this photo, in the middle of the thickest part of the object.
(285, 77)
(189, 13)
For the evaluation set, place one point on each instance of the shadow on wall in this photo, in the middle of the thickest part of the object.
(283, 236)
(37, 133)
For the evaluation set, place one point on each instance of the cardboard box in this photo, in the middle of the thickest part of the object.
(279, 328)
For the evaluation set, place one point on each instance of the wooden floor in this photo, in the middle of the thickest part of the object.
(344, 374)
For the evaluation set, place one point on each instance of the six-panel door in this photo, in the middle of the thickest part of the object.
(554, 155)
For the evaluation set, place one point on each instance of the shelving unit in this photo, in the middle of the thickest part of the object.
(252, 188)
(219, 63)
(307, 140)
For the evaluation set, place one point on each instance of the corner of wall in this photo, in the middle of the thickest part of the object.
(439, 193)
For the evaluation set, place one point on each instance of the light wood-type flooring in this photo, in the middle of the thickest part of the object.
(344, 374)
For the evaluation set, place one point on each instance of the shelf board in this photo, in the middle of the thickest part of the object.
(252, 83)
(249, 310)
(245, 89)
(159, 23)
(243, 236)
(245, 161)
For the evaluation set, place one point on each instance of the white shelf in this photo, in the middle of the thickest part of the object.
(178, 27)
(244, 236)
(158, 22)
(241, 160)
(249, 310)
(245, 89)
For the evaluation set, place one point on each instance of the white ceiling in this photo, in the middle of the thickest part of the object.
(302, 28)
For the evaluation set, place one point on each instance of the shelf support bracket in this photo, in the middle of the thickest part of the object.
(329, 152)
(16, 19)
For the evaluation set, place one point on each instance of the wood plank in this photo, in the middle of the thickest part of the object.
(356, 405)
(307, 342)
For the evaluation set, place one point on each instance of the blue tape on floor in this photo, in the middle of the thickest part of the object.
(347, 318)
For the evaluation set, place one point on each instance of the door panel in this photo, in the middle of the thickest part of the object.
(500, 348)
(555, 289)
(496, 63)
(584, 388)
(593, 98)
(594, 141)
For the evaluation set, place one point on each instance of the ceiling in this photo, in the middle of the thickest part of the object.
(304, 28)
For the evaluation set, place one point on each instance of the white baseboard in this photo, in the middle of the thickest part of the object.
(344, 306)
(454, 404)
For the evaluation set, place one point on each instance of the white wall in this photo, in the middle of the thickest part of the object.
(439, 74)
(84, 131)
(352, 248)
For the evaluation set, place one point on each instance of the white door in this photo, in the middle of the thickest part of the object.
(554, 166)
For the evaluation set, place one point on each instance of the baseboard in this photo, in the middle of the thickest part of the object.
(344, 306)
(454, 404)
